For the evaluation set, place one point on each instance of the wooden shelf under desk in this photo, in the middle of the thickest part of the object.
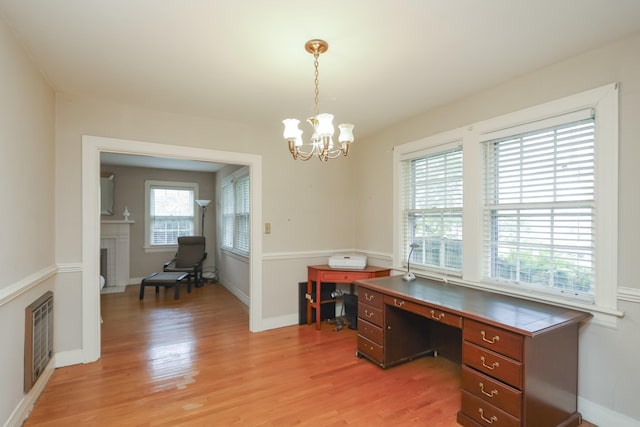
(326, 274)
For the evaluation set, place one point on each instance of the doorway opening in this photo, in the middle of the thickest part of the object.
(92, 146)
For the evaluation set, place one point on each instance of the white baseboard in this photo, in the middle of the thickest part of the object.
(602, 416)
(279, 322)
(239, 294)
(24, 408)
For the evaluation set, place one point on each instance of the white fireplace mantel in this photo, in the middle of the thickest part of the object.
(114, 236)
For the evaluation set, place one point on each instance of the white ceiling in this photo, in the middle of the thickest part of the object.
(244, 60)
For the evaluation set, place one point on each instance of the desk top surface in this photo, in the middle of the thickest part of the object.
(367, 269)
(523, 316)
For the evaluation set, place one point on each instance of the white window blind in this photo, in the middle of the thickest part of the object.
(539, 205)
(432, 209)
(227, 214)
(171, 214)
(241, 232)
(236, 212)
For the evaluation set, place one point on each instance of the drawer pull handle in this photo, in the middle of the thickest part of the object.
(439, 317)
(398, 303)
(493, 366)
(490, 394)
(369, 297)
(487, 420)
(369, 314)
(490, 341)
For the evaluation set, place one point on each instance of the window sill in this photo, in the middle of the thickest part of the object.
(160, 249)
(235, 254)
(603, 316)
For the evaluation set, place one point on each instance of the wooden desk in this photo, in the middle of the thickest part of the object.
(324, 273)
(519, 358)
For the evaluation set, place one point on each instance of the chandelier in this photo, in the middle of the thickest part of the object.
(321, 143)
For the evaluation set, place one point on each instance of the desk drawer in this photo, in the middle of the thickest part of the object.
(370, 314)
(492, 364)
(495, 339)
(486, 414)
(370, 349)
(425, 311)
(370, 331)
(491, 391)
(344, 276)
(372, 298)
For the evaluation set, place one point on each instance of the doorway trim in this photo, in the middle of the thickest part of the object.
(92, 146)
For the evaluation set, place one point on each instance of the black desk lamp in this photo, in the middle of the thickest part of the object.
(409, 276)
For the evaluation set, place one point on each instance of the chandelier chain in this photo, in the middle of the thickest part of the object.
(316, 81)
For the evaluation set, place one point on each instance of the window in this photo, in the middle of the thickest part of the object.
(235, 212)
(539, 205)
(532, 209)
(170, 212)
(432, 208)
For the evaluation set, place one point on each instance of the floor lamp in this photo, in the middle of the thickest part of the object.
(203, 206)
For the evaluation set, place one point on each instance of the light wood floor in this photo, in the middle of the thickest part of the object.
(193, 362)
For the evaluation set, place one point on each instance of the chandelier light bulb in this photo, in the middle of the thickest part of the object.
(291, 128)
(346, 132)
(325, 125)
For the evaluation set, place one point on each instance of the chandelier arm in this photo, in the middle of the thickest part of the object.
(306, 157)
(297, 153)
(334, 154)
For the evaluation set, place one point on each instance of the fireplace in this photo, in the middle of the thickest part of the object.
(103, 262)
(114, 264)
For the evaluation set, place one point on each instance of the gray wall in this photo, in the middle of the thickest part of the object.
(234, 269)
(129, 190)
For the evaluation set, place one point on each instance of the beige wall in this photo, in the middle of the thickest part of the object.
(26, 164)
(26, 207)
(129, 190)
(608, 372)
(308, 204)
(294, 193)
(313, 208)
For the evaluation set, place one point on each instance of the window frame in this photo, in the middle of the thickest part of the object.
(510, 150)
(148, 186)
(238, 236)
(435, 148)
(604, 100)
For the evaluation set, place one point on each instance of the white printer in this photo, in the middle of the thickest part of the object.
(355, 261)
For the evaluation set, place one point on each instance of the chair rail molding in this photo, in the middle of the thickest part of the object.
(276, 256)
(629, 294)
(18, 288)
(71, 267)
